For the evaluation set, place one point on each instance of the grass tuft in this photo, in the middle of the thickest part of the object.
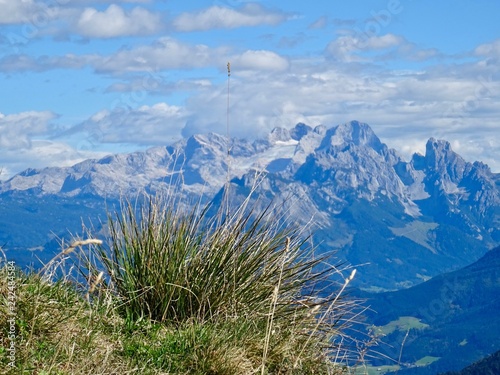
(170, 291)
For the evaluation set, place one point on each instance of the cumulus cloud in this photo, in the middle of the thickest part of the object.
(362, 48)
(19, 63)
(44, 153)
(116, 22)
(158, 124)
(63, 17)
(165, 53)
(17, 130)
(260, 60)
(381, 42)
(140, 85)
(349, 47)
(405, 108)
(491, 50)
(217, 17)
(17, 11)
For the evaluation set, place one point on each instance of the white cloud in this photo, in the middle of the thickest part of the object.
(17, 130)
(348, 47)
(41, 154)
(362, 48)
(259, 60)
(380, 42)
(23, 63)
(62, 17)
(105, 1)
(489, 49)
(413, 53)
(156, 84)
(116, 22)
(217, 17)
(18, 63)
(404, 108)
(165, 53)
(159, 124)
(342, 48)
(320, 23)
(17, 11)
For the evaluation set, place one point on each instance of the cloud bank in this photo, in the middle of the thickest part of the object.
(218, 17)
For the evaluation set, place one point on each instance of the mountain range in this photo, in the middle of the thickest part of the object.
(399, 222)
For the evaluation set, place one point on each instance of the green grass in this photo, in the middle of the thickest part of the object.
(377, 370)
(169, 266)
(56, 330)
(418, 232)
(403, 324)
(172, 292)
(425, 361)
(380, 370)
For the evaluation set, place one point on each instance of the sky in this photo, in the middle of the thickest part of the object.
(84, 78)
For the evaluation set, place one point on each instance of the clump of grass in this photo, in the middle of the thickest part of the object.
(169, 266)
(180, 268)
(184, 292)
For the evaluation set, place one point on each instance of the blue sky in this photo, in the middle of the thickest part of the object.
(84, 78)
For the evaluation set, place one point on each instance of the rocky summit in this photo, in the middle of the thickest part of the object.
(399, 222)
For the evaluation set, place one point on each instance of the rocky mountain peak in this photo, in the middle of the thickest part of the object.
(279, 135)
(299, 131)
(210, 140)
(441, 159)
(355, 133)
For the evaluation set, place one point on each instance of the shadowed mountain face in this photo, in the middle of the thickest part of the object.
(487, 366)
(452, 319)
(404, 221)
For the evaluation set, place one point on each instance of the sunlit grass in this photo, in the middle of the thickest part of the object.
(402, 324)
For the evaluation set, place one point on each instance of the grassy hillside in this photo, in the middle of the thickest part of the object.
(486, 366)
(169, 292)
(457, 316)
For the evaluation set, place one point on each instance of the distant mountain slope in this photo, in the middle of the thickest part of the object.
(455, 315)
(405, 221)
(486, 366)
